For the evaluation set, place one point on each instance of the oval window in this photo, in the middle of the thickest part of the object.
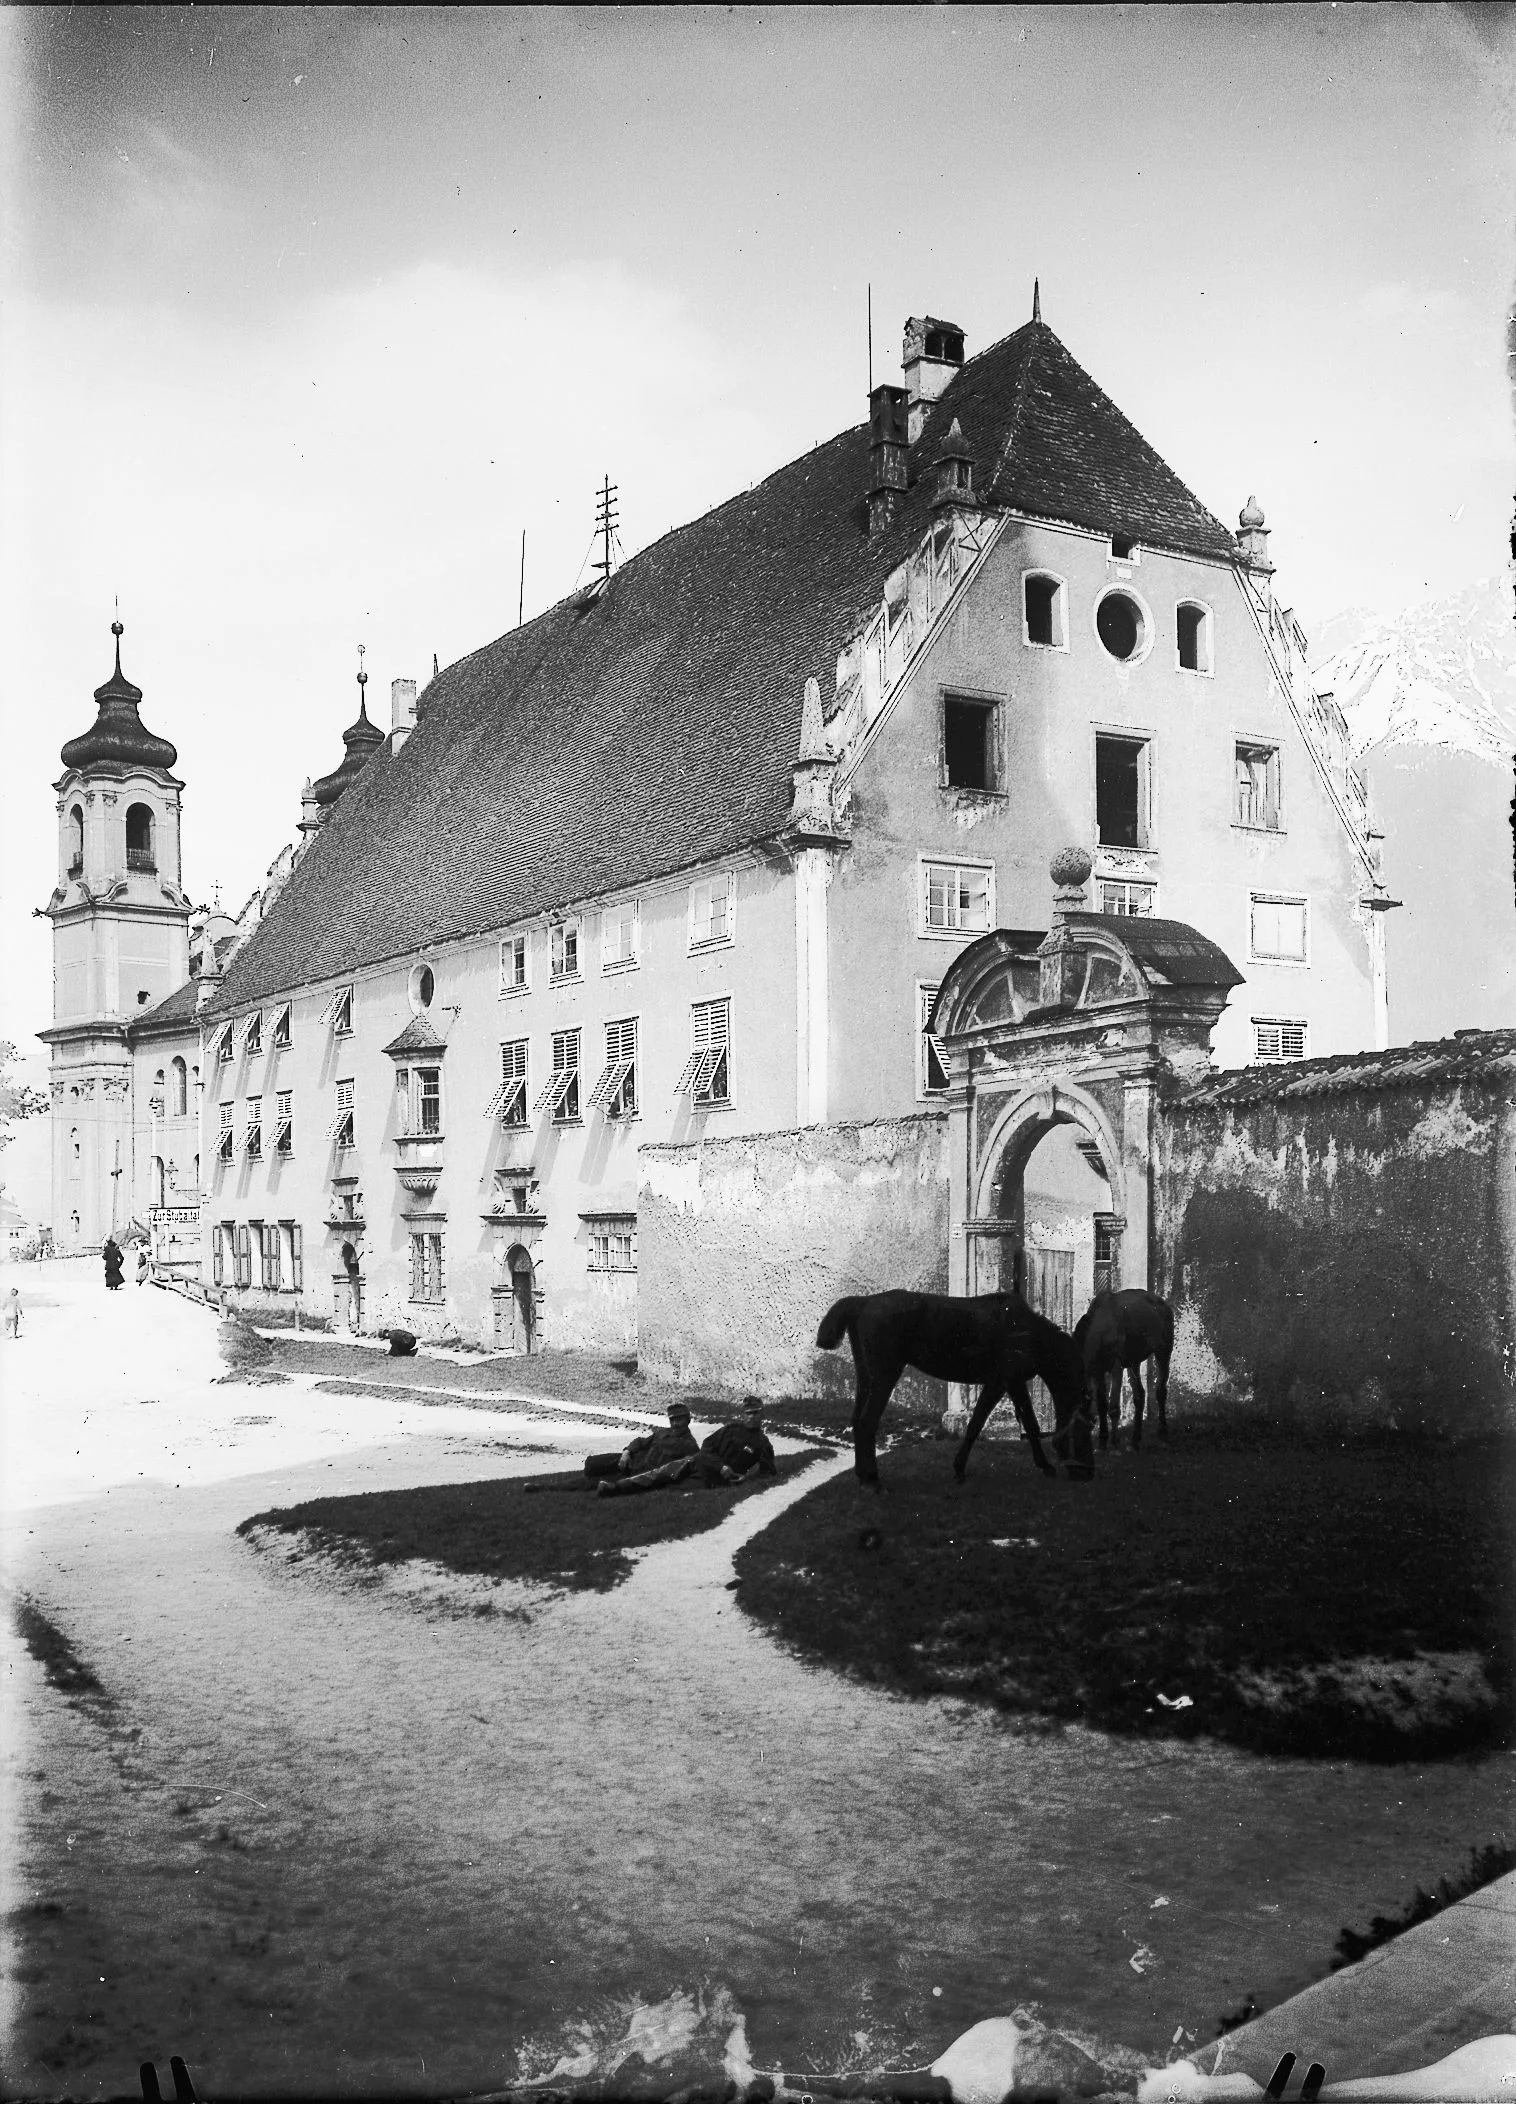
(423, 986)
(1119, 625)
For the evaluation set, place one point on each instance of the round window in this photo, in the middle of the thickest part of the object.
(1119, 625)
(423, 986)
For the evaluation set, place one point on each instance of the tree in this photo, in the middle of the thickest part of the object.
(18, 1099)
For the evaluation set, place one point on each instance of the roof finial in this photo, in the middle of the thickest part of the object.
(1036, 299)
(434, 664)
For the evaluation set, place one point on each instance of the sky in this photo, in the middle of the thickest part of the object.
(310, 313)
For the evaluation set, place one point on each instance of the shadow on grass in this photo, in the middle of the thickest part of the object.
(1341, 1600)
(61, 1663)
(570, 1539)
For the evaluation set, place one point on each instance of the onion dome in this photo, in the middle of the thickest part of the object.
(1251, 514)
(118, 737)
(362, 740)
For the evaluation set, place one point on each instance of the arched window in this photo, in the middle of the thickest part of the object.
(76, 840)
(181, 1089)
(157, 1180)
(139, 837)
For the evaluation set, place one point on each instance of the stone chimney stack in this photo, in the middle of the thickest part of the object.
(932, 356)
(954, 469)
(402, 711)
(889, 455)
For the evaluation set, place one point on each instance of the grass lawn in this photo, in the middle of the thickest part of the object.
(569, 1539)
(1306, 1598)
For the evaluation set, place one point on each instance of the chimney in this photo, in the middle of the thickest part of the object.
(932, 354)
(402, 711)
(1253, 542)
(311, 813)
(888, 455)
(954, 468)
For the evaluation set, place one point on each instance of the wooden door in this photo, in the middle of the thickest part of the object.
(1050, 1290)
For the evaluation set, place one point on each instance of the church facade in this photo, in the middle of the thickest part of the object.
(691, 853)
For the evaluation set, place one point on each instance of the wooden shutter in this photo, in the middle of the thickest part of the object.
(297, 1257)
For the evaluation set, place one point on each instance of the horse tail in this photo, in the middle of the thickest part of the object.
(837, 1322)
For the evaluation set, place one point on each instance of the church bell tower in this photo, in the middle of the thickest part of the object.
(120, 945)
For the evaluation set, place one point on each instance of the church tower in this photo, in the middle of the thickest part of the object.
(120, 946)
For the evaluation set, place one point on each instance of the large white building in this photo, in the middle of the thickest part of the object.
(691, 852)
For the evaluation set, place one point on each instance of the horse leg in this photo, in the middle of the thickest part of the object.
(876, 1386)
(1017, 1389)
(1138, 1400)
(1096, 1386)
(1161, 1391)
(989, 1396)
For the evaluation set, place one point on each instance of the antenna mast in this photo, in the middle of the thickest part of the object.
(871, 337)
(521, 601)
(605, 525)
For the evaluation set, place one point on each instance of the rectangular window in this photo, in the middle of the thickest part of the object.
(1042, 612)
(282, 1027)
(931, 1067)
(513, 965)
(561, 1096)
(968, 743)
(252, 1041)
(508, 1103)
(1257, 779)
(1275, 1039)
(565, 950)
(1129, 898)
(1277, 929)
(268, 1237)
(252, 1146)
(422, 1106)
(339, 1012)
(426, 1267)
(1193, 633)
(620, 936)
(340, 1131)
(713, 903)
(227, 1140)
(224, 1047)
(284, 1122)
(612, 1244)
(707, 1072)
(1122, 792)
(616, 1090)
(957, 899)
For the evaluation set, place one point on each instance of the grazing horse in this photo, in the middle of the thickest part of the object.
(1114, 1335)
(994, 1342)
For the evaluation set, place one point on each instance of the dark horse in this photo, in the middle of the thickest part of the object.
(994, 1342)
(1114, 1335)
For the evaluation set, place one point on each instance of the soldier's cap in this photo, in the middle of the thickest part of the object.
(679, 1410)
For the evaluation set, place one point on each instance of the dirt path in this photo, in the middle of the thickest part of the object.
(361, 1845)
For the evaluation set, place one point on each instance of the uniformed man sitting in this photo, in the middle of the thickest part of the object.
(731, 1454)
(649, 1450)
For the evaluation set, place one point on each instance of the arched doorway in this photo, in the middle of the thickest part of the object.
(516, 1307)
(347, 1287)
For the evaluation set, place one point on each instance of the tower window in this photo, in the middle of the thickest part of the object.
(968, 742)
(1194, 633)
(76, 841)
(1121, 626)
(139, 837)
(1043, 609)
(1123, 548)
(1122, 792)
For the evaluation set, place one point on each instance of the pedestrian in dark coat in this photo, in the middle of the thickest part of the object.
(113, 1265)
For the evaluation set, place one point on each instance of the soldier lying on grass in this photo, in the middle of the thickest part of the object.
(731, 1454)
(650, 1450)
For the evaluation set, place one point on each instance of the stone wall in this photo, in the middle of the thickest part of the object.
(743, 1244)
(1346, 1255)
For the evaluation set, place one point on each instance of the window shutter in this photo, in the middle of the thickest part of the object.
(218, 1259)
(244, 1258)
(297, 1257)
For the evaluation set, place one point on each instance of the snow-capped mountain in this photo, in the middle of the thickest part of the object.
(1440, 674)
(1430, 701)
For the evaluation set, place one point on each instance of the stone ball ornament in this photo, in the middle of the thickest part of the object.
(1070, 868)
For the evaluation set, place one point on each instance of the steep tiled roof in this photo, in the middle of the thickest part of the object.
(1172, 949)
(610, 743)
(176, 1012)
(1485, 1056)
(417, 1036)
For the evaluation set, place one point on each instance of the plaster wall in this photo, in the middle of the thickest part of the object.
(746, 1242)
(1351, 1255)
(1050, 705)
(576, 1169)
